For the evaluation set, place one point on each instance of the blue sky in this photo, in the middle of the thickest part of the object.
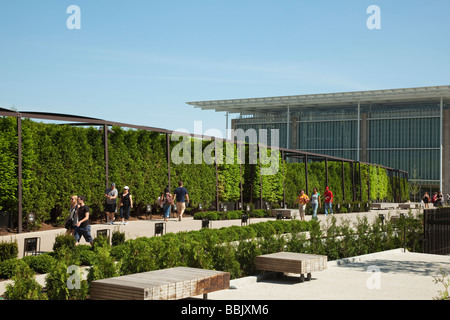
(139, 62)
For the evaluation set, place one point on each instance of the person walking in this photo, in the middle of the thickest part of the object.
(126, 203)
(83, 227)
(167, 201)
(328, 201)
(111, 203)
(439, 199)
(302, 200)
(315, 202)
(72, 221)
(426, 200)
(433, 199)
(181, 195)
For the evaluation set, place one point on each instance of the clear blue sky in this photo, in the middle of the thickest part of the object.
(140, 61)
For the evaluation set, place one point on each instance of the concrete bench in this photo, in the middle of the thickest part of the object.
(405, 206)
(284, 213)
(375, 206)
(166, 284)
(291, 262)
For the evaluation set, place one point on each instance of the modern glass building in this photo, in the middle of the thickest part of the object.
(406, 129)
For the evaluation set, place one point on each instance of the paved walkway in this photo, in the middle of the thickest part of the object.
(146, 228)
(388, 275)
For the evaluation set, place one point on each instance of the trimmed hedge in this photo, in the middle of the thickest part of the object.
(52, 171)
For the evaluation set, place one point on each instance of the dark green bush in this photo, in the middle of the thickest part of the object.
(118, 238)
(103, 265)
(25, 286)
(42, 263)
(8, 250)
(66, 241)
(56, 283)
(8, 268)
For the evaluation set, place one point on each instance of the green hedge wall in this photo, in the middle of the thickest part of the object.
(60, 160)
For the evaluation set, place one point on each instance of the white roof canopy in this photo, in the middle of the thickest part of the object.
(271, 104)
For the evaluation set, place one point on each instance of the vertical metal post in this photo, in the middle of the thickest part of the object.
(240, 185)
(168, 160)
(326, 172)
(217, 174)
(105, 134)
(19, 174)
(260, 179)
(306, 174)
(441, 156)
(360, 183)
(352, 169)
(287, 127)
(226, 126)
(343, 182)
(358, 131)
(284, 179)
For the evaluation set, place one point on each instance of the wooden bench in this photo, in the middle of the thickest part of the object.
(166, 284)
(291, 262)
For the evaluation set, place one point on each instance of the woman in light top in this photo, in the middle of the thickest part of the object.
(315, 202)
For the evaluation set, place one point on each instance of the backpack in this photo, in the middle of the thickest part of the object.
(168, 199)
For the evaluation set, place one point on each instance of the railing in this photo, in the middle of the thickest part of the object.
(436, 224)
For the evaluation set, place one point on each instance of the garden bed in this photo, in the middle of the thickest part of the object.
(231, 249)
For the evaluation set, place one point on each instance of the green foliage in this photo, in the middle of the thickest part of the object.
(118, 237)
(57, 280)
(25, 286)
(103, 266)
(377, 178)
(8, 268)
(8, 250)
(42, 263)
(53, 170)
(140, 257)
(66, 241)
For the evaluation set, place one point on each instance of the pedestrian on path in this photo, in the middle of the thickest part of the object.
(83, 226)
(302, 200)
(315, 202)
(426, 200)
(111, 203)
(71, 222)
(328, 201)
(126, 203)
(181, 195)
(167, 201)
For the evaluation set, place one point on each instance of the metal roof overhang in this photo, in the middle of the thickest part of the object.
(274, 104)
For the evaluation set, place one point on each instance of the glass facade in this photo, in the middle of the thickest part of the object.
(401, 136)
(407, 137)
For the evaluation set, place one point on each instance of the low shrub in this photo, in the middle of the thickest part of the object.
(8, 250)
(67, 241)
(25, 286)
(8, 268)
(118, 238)
(103, 265)
(42, 263)
(64, 282)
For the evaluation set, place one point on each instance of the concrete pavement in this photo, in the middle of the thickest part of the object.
(388, 275)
